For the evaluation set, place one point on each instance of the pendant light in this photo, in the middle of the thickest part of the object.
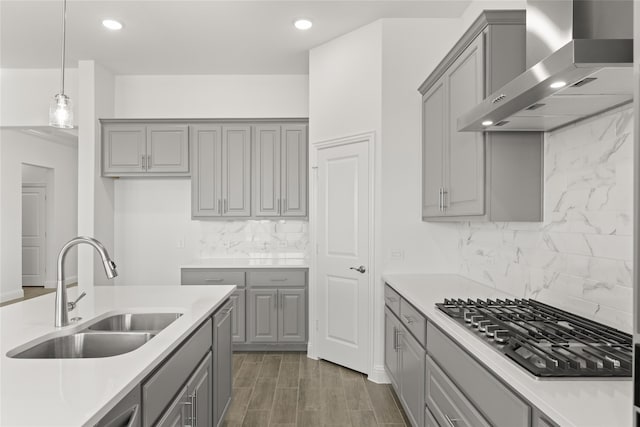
(61, 108)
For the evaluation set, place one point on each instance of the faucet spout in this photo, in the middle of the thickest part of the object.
(62, 313)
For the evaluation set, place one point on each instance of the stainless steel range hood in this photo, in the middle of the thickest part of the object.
(580, 56)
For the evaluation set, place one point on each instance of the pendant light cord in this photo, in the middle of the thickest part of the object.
(64, 34)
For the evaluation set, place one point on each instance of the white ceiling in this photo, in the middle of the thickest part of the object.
(191, 37)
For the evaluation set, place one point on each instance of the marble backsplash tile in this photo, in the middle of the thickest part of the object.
(579, 257)
(253, 239)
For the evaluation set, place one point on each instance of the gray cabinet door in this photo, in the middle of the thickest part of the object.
(464, 154)
(292, 315)
(200, 394)
(266, 171)
(236, 173)
(434, 119)
(206, 178)
(391, 357)
(222, 363)
(263, 315)
(123, 149)
(412, 375)
(294, 171)
(168, 148)
(178, 413)
(238, 316)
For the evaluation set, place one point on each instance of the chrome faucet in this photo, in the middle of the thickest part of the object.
(62, 306)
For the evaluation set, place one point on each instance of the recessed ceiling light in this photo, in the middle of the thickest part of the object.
(558, 84)
(303, 24)
(487, 123)
(112, 24)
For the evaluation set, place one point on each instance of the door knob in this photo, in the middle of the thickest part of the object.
(360, 269)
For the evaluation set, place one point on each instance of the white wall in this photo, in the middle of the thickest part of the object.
(17, 148)
(207, 96)
(25, 94)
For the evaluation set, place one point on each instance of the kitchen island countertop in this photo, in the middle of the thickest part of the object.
(75, 392)
(571, 403)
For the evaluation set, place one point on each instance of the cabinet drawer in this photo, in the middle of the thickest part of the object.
(277, 278)
(392, 299)
(447, 403)
(212, 277)
(500, 406)
(413, 320)
(162, 386)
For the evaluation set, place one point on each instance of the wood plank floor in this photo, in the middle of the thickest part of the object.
(289, 389)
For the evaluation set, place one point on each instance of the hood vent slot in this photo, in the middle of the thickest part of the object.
(584, 82)
(502, 123)
(535, 106)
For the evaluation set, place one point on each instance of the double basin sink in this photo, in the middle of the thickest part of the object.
(111, 336)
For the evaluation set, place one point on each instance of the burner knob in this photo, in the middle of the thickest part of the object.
(501, 336)
(476, 319)
(482, 325)
(490, 330)
(468, 314)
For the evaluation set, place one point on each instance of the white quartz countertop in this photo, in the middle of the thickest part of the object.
(571, 403)
(75, 392)
(248, 263)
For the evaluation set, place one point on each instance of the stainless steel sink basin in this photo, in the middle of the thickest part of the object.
(136, 322)
(86, 345)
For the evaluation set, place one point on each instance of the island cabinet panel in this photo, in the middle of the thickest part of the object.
(127, 412)
(200, 392)
(238, 315)
(222, 362)
(159, 389)
(177, 414)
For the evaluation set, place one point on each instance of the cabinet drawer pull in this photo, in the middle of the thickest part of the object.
(284, 279)
(410, 320)
(214, 280)
(142, 163)
(451, 421)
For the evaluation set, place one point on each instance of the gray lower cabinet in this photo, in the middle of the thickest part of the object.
(262, 316)
(177, 414)
(405, 355)
(292, 315)
(126, 413)
(491, 176)
(222, 362)
(144, 149)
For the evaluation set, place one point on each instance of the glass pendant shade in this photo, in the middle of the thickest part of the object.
(61, 112)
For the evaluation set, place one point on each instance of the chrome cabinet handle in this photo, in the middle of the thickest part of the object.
(360, 269)
(395, 338)
(399, 334)
(284, 202)
(451, 421)
(143, 165)
(214, 280)
(284, 279)
(445, 199)
(149, 162)
(408, 319)
(219, 206)
(440, 200)
(72, 305)
(225, 206)
(279, 206)
(194, 409)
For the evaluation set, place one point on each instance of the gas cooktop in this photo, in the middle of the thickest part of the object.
(546, 341)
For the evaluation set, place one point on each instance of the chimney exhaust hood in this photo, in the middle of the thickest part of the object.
(580, 56)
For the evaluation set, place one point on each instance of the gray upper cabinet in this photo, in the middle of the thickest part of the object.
(280, 171)
(236, 170)
(220, 184)
(475, 175)
(206, 180)
(145, 150)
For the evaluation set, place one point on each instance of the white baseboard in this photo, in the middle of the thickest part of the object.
(8, 296)
(379, 375)
(311, 352)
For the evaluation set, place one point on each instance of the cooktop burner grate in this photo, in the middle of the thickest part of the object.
(545, 340)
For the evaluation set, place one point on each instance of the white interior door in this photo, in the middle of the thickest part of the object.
(33, 235)
(343, 209)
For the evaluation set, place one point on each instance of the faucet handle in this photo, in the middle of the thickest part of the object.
(72, 305)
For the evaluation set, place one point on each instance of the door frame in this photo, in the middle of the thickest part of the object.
(369, 139)
(45, 242)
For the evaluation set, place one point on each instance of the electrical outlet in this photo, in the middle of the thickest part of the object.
(282, 244)
(396, 254)
(181, 243)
